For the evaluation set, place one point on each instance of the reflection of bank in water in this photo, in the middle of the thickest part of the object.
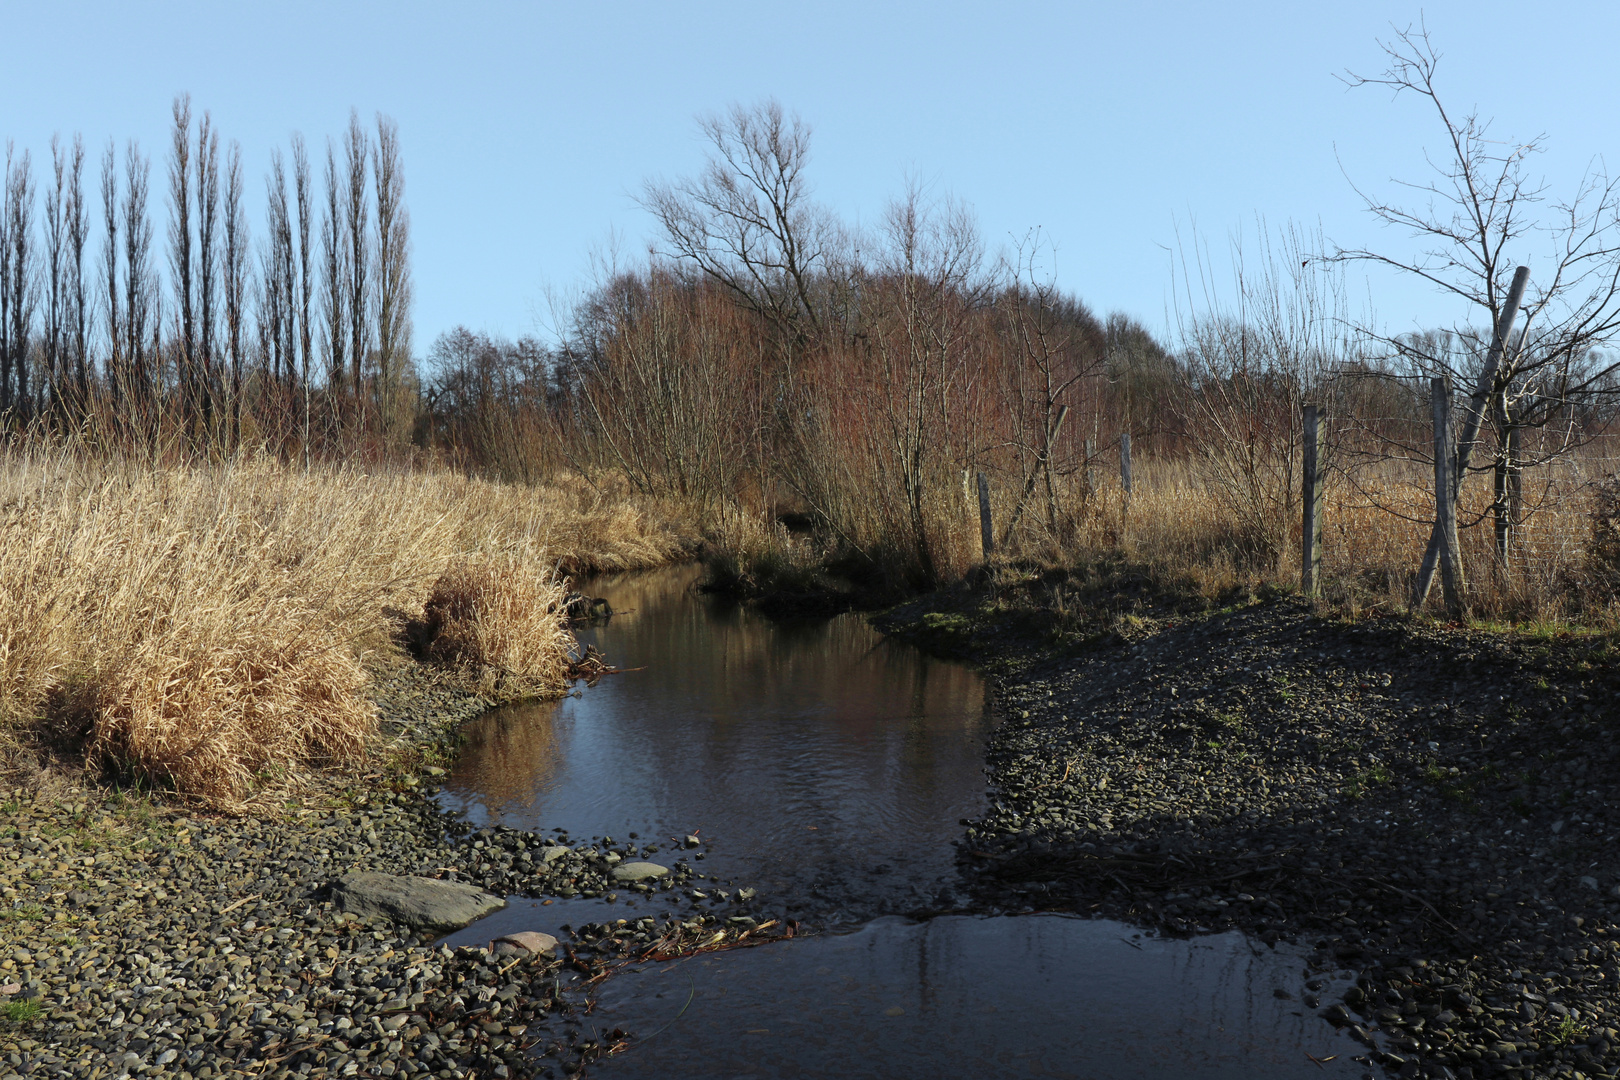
(510, 754)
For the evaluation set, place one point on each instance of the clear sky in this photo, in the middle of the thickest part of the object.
(528, 128)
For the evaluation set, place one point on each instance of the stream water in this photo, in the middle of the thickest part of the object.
(828, 766)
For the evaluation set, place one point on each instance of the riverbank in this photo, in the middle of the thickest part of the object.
(1434, 809)
(141, 938)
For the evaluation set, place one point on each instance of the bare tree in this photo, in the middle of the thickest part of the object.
(113, 366)
(207, 262)
(1475, 217)
(55, 300)
(334, 278)
(181, 262)
(140, 292)
(1254, 356)
(1057, 346)
(6, 388)
(277, 273)
(913, 363)
(78, 235)
(234, 281)
(301, 196)
(21, 291)
(355, 216)
(748, 221)
(393, 271)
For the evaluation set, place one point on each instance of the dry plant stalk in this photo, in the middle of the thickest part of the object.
(208, 628)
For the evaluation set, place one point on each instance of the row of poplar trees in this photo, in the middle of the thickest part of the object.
(298, 338)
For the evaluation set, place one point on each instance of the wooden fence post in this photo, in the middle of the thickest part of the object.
(1445, 500)
(1310, 546)
(987, 536)
(1125, 463)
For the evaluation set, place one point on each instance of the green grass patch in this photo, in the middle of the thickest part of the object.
(23, 913)
(21, 1012)
(1567, 1031)
(1452, 784)
(942, 623)
(1368, 779)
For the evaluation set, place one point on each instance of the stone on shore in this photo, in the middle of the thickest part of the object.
(530, 941)
(638, 871)
(423, 903)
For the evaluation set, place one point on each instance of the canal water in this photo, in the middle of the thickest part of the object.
(828, 767)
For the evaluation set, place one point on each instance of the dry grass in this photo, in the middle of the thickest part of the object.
(500, 623)
(1375, 532)
(208, 628)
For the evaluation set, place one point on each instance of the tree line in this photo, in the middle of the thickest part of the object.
(768, 355)
(296, 335)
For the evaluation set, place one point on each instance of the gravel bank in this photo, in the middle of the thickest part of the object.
(141, 939)
(1435, 810)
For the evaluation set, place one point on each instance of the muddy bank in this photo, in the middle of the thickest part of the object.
(139, 938)
(1432, 809)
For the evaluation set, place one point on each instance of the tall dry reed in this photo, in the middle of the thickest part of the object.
(209, 627)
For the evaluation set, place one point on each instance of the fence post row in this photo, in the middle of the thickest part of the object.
(1310, 570)
(987, 536)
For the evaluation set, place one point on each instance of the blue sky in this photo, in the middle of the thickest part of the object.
(528, 128)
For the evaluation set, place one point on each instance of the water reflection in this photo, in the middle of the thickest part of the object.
(1034, 996)
(821, 761)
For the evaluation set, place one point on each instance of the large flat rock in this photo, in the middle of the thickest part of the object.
(638, 871)
(415, 901)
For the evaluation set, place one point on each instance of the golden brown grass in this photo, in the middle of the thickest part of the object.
(208, 627)
(1375, 532)
(1181, 531)
(501, 624)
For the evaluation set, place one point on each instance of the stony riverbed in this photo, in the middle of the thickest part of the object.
(1435, 810)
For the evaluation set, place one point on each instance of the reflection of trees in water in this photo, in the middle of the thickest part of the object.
(857, 674)
(511, 754)
(739, 668)
(730, 720)
(965, 996)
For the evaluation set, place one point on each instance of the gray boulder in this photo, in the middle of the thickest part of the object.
(418, 902)
(638, 871)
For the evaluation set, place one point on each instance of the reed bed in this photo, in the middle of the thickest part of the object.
(209, 628)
